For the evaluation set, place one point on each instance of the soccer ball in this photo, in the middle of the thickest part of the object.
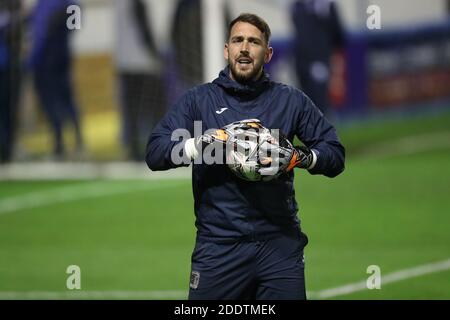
(243, 154)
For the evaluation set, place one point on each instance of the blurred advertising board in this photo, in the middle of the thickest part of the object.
(397, 69)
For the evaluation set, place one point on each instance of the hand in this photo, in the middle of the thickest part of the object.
(275, 154)
(195, 146)
(219, 136)
(277, 158)
(302, 157)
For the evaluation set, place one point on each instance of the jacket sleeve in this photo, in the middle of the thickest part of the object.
(172, 131)
(314, 130)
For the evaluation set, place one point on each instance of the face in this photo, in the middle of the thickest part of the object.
(246, 52)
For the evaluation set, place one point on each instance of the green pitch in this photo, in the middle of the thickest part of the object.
(392, 210)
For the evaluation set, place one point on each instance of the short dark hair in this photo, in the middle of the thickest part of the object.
(254, 20)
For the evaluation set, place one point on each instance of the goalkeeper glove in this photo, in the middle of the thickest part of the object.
(194, 146)
(276, 158)
(302, 157)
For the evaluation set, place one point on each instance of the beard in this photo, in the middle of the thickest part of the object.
(247, 76)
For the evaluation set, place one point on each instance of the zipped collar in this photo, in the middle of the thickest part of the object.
(248, 90)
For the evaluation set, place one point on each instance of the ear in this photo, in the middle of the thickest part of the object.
(225, 51)
(268, 55)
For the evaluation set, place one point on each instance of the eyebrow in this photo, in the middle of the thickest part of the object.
(249, 38)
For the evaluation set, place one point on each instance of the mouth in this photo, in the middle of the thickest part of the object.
(244, 61)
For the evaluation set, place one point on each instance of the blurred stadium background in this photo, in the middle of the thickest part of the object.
(131, 231)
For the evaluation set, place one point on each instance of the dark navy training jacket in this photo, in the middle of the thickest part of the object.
(226, 207)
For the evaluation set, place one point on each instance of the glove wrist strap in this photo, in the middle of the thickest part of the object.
(314, 160)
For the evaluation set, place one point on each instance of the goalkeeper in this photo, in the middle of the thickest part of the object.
(249, 242)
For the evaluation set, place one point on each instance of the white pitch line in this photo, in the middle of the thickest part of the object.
(180, 294)
(385, 279)
(128, 170)
(72, 193)
(87, 171)
(407, 146)
(80, 294)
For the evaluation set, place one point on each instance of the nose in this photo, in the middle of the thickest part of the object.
(244, 46)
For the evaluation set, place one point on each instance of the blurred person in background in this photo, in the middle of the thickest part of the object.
(50, 61)
(318, 33)
(10, 73)
(140, 70)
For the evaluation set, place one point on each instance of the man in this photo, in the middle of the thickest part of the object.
(249, 244)
(318, 34)
(50, 61)
(11, 25)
